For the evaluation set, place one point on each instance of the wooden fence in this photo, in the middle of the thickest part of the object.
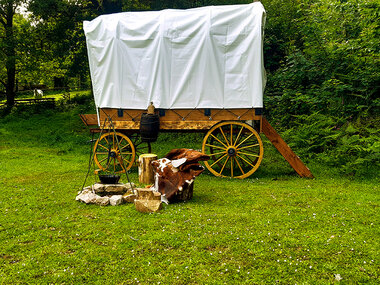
(47, 101)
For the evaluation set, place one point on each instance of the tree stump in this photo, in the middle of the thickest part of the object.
(146, 174)
(185, 194)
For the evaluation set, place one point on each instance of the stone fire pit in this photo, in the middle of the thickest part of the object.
(145, 200)
(107, 194)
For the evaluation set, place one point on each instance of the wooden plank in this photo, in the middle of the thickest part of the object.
(125, 125)
(167, 125)
(173, 119)
(128, 115)
(285, 150)
(184, 114)
(89, 119)
(186, 125)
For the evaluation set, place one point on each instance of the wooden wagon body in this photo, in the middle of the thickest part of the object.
(173, 120)
(127, 122)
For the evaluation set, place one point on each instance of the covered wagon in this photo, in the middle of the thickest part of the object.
(202, 70)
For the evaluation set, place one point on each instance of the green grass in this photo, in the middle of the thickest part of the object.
(271, 228)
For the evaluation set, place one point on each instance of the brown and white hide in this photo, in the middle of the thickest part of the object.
(178, 168)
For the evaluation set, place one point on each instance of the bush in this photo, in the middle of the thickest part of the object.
(351, 146)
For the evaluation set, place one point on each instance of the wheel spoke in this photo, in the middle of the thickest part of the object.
(136, 139)
(120, 162)
(248, 146)
(100, 161)
(223, 135)
(238, 164)
(106, 148)
(122, 157)
(231, 134)
(255, 155)
(245, 160)
(211, 145)
(217, 153)
(139, 146)
(218, 160)
(108, 163)
(220, 173)
(250, 160)
(232, 166)
(218, 140)
(99, 152)
(124, 147)
(244, 140)
(238, 135)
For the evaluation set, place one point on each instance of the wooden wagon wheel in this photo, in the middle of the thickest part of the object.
(235, 148)
(140, 146)
(111, 149)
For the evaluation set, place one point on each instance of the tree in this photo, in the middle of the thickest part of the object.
(61, 43)
(43, 44)
(8, 47)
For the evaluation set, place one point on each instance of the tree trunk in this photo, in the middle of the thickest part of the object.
(10, 53)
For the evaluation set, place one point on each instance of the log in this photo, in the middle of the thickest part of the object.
(147, 200)
(147, 194)
(146, 174)
(148, 206)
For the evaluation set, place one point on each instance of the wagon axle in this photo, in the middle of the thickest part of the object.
(231, 151)
(113, 153)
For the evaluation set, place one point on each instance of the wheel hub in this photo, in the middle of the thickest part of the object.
(231, 151)
(113, 153)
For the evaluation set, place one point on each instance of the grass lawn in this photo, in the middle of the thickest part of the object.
(271, 228)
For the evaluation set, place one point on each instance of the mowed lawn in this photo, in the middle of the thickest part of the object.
(271, 228)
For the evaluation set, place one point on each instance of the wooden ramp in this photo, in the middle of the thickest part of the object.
(285, 150)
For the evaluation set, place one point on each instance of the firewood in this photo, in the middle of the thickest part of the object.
(146, 175)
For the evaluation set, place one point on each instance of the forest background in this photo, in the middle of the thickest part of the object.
(321, 56)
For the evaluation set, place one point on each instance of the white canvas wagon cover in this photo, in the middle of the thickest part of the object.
(208, 57)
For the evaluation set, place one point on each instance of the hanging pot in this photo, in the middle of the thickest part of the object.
(109, 178)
